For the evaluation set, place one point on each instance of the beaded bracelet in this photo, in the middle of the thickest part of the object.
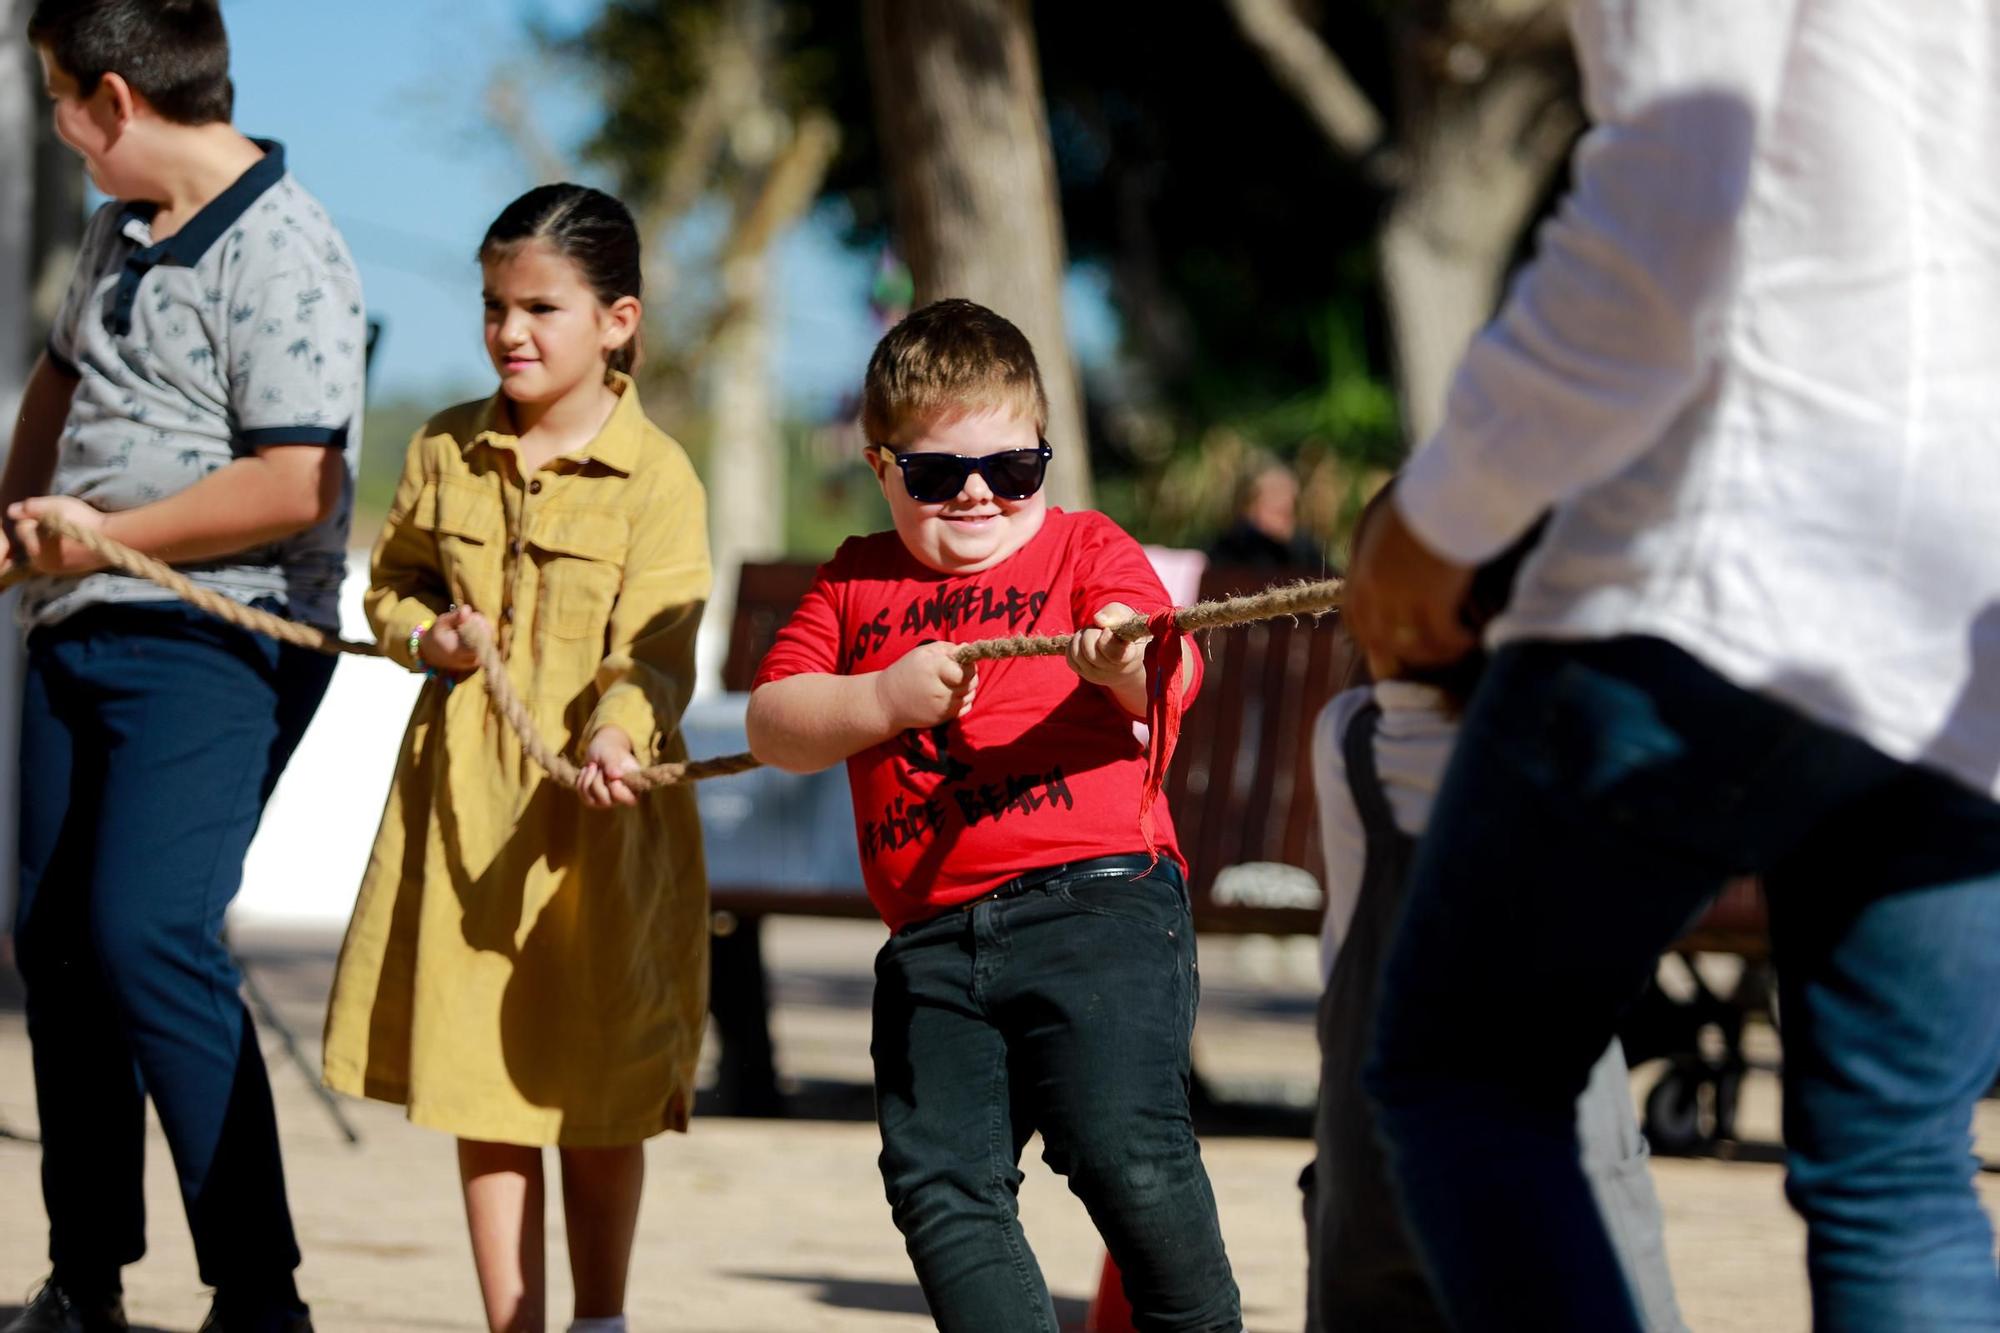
(417, 633)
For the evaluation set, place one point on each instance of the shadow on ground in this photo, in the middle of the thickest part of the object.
(9, 1313)
(1225, 1113)
(11, 995)
(1773, 1154)
(888, 1297)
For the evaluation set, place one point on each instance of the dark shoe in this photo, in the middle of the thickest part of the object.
(301, 1322)
(53, 1310)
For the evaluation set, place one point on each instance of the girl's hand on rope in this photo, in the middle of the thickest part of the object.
(443, 646)
(1404, 600)
(926, 686)
(607, 761)
(57, 555)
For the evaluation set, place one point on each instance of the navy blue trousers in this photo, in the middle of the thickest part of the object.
(1599, 796)
(151, 737)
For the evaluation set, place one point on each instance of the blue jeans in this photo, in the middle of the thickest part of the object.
(1063, 1006)
(1599, 796)
(151, 737)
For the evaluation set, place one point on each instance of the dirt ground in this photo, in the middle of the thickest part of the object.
(754, 1226)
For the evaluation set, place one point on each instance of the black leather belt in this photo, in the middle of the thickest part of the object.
(1128, 864)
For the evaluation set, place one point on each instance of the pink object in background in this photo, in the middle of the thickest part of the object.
(1180, 570)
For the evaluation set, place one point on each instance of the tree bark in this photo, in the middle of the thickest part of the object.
(57, 225)
(746, 482)
(18, 74)
(1474, 178)
(1309, 72)
(737, 145)
(21, 333)
(1485, 118)
(958, 98)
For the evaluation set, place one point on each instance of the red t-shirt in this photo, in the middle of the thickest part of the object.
(1044, 769)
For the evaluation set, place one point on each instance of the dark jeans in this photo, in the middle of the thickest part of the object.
(151, 737)
(1064, 1006)
(1599, 796)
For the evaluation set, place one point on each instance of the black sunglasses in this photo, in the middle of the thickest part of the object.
(1013, 474)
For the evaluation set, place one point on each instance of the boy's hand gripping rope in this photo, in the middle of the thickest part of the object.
(1169, 626)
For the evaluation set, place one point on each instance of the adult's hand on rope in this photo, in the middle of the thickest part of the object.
(52, 554)
(607, 761)
(443, 646)
(926, 686)
(1404, 600)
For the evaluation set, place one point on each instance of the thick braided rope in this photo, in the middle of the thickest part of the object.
(1295, 599)
(1287, 599)
(123, 558)
(508, 706)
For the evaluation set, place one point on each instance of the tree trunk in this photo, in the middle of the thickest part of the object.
(958, 98)
(776, 185)
(19, 339)
(1486, 114)
(1485, 129)
(57, 225)
(18, 74)
(746, 493)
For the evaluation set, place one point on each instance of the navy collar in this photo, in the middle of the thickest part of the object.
(185, 247)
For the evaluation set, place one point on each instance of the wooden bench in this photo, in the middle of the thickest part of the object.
(1241, 785)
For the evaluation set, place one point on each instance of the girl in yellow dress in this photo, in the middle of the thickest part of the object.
(527, 966)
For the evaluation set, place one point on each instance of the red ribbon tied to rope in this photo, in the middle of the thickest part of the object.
(1166, 699)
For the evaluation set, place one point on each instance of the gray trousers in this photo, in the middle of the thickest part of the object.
(1363, 1273)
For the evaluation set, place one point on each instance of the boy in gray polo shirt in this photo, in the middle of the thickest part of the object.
(200, 399)
(240, 331)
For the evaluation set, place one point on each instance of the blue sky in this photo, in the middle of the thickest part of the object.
(380, 106)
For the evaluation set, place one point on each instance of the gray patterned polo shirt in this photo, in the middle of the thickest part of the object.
(244, 329)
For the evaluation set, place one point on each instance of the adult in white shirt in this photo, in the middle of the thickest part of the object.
(1754, 372)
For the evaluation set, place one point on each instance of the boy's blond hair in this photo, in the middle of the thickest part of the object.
(949, 359)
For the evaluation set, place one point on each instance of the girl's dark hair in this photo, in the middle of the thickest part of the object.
(174, 53)
(587, 227)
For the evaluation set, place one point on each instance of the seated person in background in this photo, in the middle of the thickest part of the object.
(1266, 532)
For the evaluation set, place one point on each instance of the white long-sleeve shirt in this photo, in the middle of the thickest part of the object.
(1755, 366)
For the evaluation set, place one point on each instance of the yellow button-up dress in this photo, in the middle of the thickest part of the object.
(519, 968)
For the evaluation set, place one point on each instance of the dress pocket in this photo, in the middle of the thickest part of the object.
(581, 553)
(464, 519)
(461, 508)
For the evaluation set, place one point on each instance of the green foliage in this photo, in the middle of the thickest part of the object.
(651, 58)
(830, 495)
(646, 56)
(1240, 249)
(1240, 252)
(829, 492)
(1351, 409)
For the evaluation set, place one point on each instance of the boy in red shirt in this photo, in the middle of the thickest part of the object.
(1040, 976)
